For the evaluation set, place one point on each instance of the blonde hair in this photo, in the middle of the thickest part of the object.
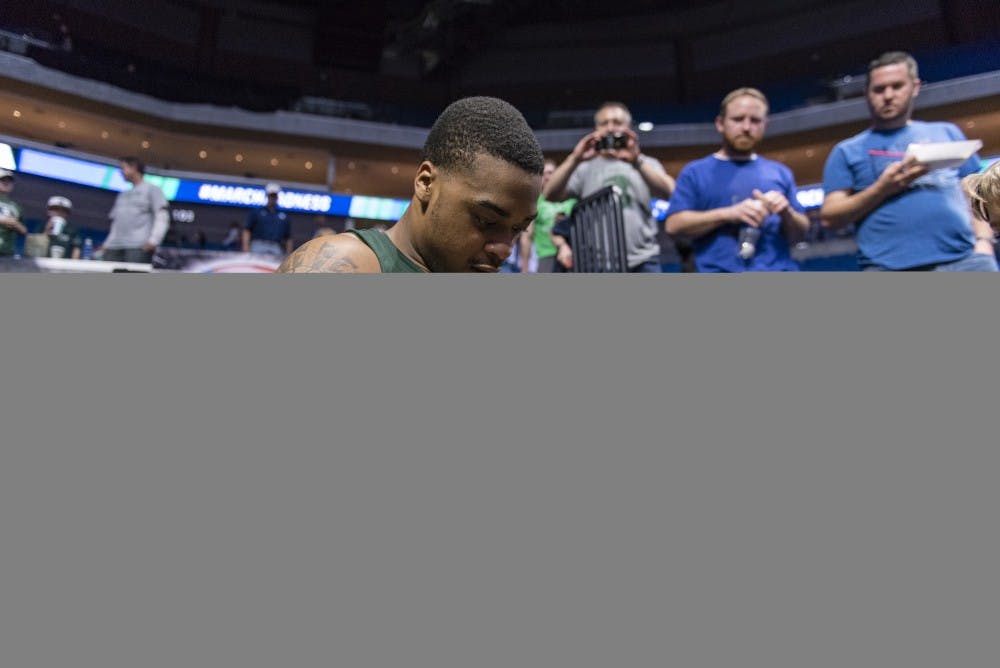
(983, 190)
(743, 92)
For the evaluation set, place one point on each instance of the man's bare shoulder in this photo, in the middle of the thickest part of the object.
(335, 254)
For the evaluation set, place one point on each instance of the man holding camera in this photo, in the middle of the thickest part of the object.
(608, 156)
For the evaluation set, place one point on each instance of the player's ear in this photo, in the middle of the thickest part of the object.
(425, 182)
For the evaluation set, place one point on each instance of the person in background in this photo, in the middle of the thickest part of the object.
(723, 198)
(267, 230)
(64, 238)
(983, 191)
(908, 217)
(538, 238)
(564, 250)
(139, 217)
(610, 155)
(522, 248)
(11, 225)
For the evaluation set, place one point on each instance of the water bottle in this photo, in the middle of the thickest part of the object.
(748, 241)
(88, 249)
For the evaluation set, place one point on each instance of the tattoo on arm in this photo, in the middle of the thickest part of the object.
(326, 259)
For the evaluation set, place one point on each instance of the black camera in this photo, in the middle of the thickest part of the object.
(612, 142)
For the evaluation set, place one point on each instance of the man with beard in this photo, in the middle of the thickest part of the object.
(610, 155)
(474, 193)
(909, 218)
(737, 207)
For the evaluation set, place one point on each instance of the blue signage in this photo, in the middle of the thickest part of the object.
(108, 177)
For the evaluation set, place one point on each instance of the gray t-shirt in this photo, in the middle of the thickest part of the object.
(640, 225)
(133, 214)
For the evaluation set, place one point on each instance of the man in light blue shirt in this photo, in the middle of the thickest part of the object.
(909, 218)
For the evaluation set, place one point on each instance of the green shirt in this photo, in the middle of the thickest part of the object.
(67, 239)
(8, 237)
(389, 257)
(547, 212)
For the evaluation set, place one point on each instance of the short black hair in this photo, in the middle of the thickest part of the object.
(135, 162)
(476, 125)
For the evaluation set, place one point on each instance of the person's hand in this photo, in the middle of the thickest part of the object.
(898, 176)
(586, 148)
(565, 256)
(14, 224)
(775, 201)
(148, 247)
(750, 211)
(631, 151)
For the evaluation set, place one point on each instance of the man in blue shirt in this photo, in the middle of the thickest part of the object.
(268, 230)
(909, 218)
(722, 197)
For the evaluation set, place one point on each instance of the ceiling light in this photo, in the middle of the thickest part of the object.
(309, 165)
(239, 157)
(274, 162)
(645, 126)
(105, 134)
(202, 154)
(145, 144)
(17, 113)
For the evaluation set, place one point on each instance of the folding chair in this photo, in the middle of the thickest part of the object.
(597, 233)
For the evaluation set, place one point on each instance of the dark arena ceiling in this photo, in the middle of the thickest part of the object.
(405, 59)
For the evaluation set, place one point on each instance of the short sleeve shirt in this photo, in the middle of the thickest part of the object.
(929, 223)
(641, 243)
(714, 183)
(267, 225)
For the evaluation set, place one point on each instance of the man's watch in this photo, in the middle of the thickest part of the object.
(639, 159)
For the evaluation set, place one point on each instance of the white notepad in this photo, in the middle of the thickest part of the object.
(940, 155)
